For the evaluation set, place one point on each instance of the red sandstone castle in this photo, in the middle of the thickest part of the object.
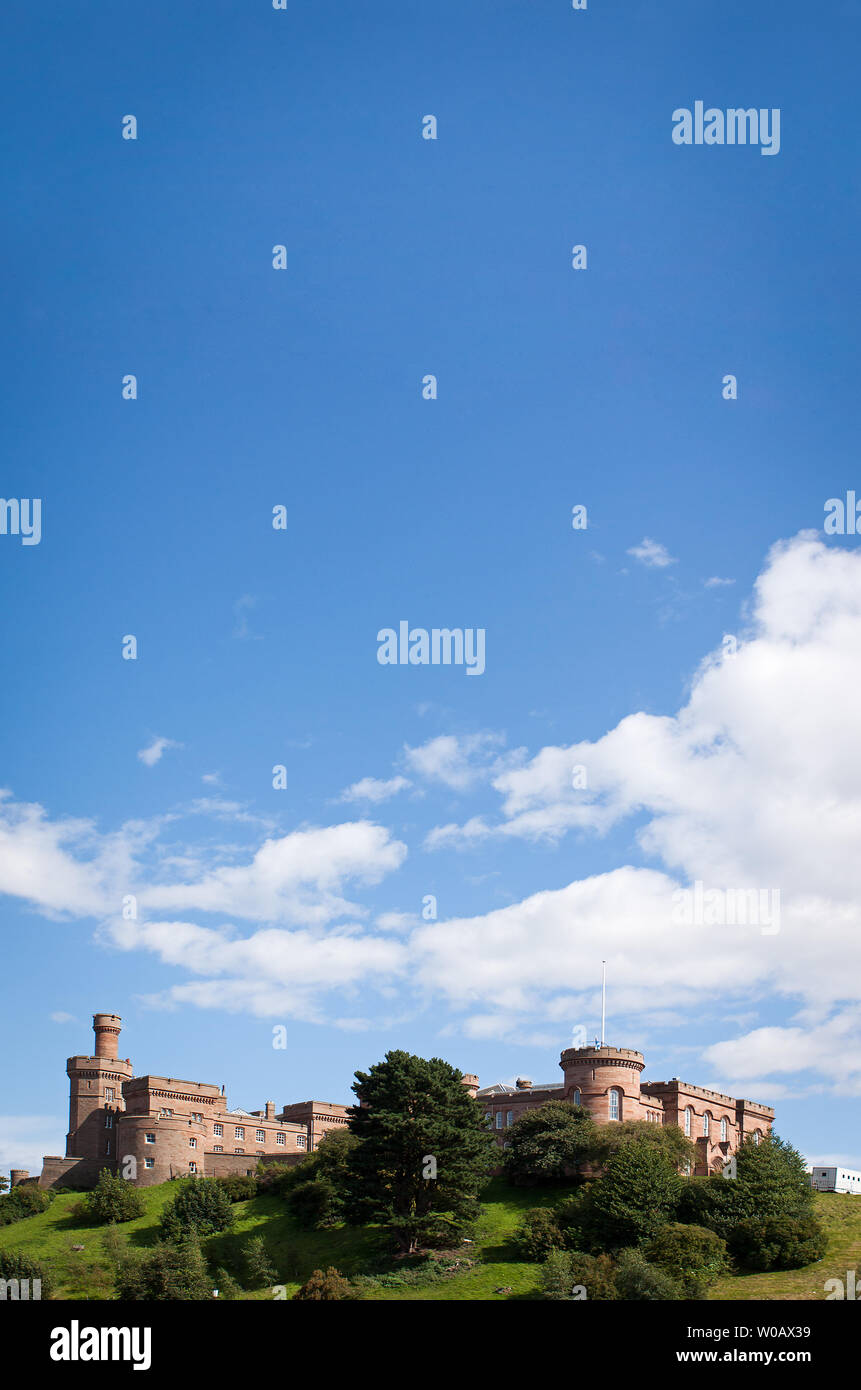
(606, 1082)
(152, 1128)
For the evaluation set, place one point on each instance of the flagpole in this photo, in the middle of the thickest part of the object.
(603, 997)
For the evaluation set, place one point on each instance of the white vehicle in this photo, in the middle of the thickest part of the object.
(835, 1180)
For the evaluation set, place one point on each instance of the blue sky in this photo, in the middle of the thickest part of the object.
(258, 647)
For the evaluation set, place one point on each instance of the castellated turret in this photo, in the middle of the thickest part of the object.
(606, 1080)
(96, 1095)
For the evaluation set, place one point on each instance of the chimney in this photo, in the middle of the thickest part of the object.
(107, 1028)
(270, 1110)
(523, 1083)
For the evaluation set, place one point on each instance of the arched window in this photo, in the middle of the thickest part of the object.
(756, 1136)
(615, 1104)
(576, 1096)
(706, 1118)
(688, 1114)
(509, 1118)
(723, 1131)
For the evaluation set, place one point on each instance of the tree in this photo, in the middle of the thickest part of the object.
(200, 1207)
(778, 1242)
(692, 1255)
(314, 1204)
(634, 1198)
(14, 1264)
(771, 1180)
(638, 1280)
(547, 1143)
(240, 1187)
(261, 1273)
(329, 1286)
(574, 1275)
(228, 1287)
(425, 1151)
(168, 1272)
(112, 1199)
(669, 1139)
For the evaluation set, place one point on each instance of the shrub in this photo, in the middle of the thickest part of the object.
(228, 1287)
(170, 1272)
(638, 1280)
(111, 1200)
(15, 1265)
(329, 1286)
(692, 1255)
(200, 1207)
(635, 1197)
(538, 1234)
(240, 1187)
(566, 1272)
(313, 1203)
(545, 1145)
(24, 1200)
(777, 1242)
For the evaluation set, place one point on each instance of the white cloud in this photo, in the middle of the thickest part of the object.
(652, 554)
(374, 789)
(716, 582)
(60, 1017)
(457, 762)
(153, 753)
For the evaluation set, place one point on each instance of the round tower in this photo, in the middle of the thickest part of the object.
(107, 1028)
(604, 1080)
(18, 1175)
(470, 1081)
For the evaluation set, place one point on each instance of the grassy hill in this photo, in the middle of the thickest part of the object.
(81, 1274)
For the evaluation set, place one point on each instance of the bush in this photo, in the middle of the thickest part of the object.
(14, 1265)
(546, 1145)
(777, 1242)
(566, 1272)
(200, 1208)
(228, 1287)
(240, 1187)
(638, 1280)
(111, 1200)
(329, 1286)
(313, 1203)
(170, 1272)
(538, 1234)
(24, 1200)
(692, 1255)
(636, 1196)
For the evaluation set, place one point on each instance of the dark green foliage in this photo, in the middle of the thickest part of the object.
(639, 1281)
(200, 1207)
(417, 1117)
(636, 1196)
(228, 1287)
(111, 1200)
(274, 1179)
(692, 1255)
(261, 1272)
(669, 1139)
(538, 1234)
(168, 1272)
(547, 1144)
(329, 1286)
(24, 1200)
(573, 1275)
(240, 1187)
(777, 1242)
(16, 1265)
(314, 1203)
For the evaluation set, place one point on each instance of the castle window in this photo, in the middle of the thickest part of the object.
(576, 1096)
(197, 1117)
(259, 1137)
(239, 1132)
(192, 1143)
(723, 1131)
(109, 1121)
(756, 1136)
(509, 1119)
(279, 1139)
(239, 1151)
(218, 1129)
(706, 1125)
(149, 1163)
(218, 1148)
(301, 1142)
(150, 1138)
(688, 1115)
(498, 1119)
(615, 1106)
(192, 1167)
(109, 1094)
(107, 1146)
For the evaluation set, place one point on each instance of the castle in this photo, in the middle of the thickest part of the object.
(152, 1128)
(606, 1082)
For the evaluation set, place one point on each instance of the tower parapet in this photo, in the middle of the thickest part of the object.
(606, 1080)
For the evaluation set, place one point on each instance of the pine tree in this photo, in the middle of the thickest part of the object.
(261, 1273)
(425, 1151)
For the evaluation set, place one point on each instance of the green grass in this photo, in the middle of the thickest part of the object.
(362, 1251)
